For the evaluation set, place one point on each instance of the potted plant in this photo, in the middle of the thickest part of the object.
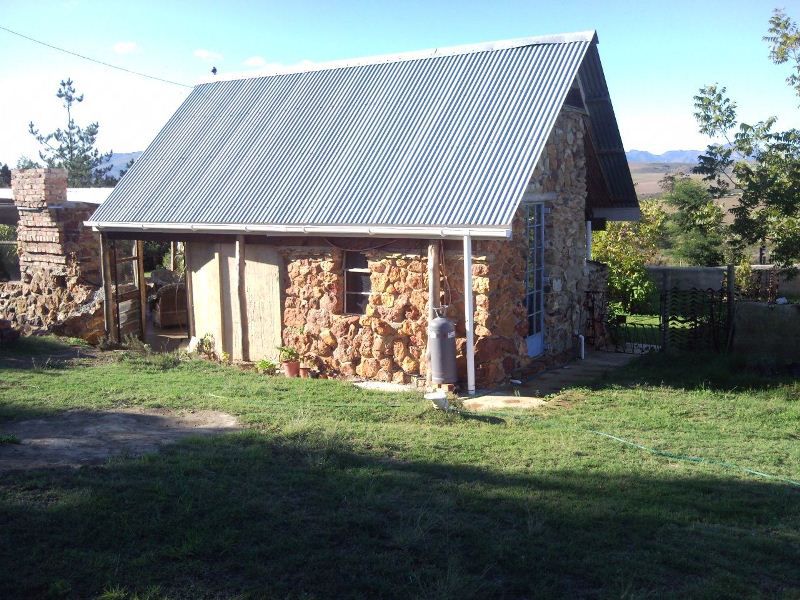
(290, 359)
(305, 367)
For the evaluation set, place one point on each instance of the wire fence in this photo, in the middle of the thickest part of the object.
(684, 320)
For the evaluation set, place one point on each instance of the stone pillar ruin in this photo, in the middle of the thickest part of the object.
(59, 259)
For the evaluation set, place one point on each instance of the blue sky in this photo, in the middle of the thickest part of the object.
(655, 54)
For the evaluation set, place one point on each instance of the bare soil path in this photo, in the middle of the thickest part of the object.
(80, 437)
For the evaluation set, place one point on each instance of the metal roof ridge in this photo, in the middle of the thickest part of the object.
(589, 36)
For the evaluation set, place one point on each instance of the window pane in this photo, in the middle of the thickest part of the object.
(355, 260)
(126, 272)
(357, 283)
(124, 248)
(355, 303)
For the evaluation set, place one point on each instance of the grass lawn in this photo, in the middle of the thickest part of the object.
(335, 492)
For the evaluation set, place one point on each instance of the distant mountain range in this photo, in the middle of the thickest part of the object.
(670, 156)
(121, 159)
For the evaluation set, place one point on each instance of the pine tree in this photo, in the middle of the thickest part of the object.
(73, 148)
(5, 176)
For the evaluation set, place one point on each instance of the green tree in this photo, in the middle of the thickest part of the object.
(762, 164)
(784, 40)
(5, 176)
(695, 230)
(73, 148)
(626, 247)
(26, 163)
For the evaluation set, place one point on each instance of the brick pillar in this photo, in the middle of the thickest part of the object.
(51, 233)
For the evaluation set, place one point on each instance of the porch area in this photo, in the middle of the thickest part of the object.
(533, 392)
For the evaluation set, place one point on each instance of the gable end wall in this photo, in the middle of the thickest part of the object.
(388, 342)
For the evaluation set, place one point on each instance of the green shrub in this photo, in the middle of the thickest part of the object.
(626, 247)
(266, 366)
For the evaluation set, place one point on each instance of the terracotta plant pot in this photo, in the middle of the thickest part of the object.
(305, 372)
(291, 368)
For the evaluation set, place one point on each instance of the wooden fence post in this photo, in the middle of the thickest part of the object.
(731, 303)
(665, 309)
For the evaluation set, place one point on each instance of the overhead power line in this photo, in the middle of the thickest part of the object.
(94, 60)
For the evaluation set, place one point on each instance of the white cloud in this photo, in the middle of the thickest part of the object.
(207, 55)
(125, 47)
(257, 62)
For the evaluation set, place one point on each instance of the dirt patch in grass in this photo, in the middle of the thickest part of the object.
(81, 437)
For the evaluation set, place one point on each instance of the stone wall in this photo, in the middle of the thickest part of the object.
(388, 342)
(59, 286)
(499, 269)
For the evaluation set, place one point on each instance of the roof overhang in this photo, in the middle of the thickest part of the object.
(617, 214)
(478, 233)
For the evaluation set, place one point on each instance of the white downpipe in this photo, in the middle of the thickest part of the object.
(469, 314)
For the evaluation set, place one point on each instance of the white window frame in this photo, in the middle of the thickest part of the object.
(362, 270)
(534, 276)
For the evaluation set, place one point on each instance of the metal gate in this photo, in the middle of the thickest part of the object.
(685, 320)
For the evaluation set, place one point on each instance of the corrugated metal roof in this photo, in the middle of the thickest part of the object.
(448, 139)
(604, 132)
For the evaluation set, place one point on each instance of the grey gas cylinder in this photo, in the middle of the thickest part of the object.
(442, 341)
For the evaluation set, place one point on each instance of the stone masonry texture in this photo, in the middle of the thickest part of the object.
(59, 258)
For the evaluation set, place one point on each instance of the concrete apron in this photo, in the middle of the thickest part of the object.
(533, 393)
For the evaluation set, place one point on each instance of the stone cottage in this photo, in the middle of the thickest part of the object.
(334, 208)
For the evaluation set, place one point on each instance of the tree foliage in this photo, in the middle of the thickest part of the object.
(784, 40)
(695, 231)
(759, 162)
(74, 147)
(626, 247)
(5, 176)
(27, 163)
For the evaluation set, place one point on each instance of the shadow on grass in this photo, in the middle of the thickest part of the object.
(37, 352)
(691, 371)
(305, 516)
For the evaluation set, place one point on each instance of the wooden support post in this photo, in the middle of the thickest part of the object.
(108, 297)
(240, 288)
(189, 300)
(141, 284)
(218, 258)
(434, 297)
